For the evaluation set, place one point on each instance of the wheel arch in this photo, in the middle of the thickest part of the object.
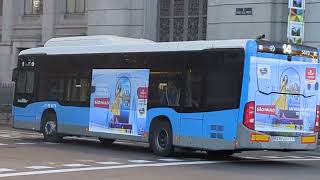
(47, 111)
(167, 114)
(156, 120)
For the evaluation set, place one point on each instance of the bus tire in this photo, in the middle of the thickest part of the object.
(161, 138)
(50, 127)
(106, 142)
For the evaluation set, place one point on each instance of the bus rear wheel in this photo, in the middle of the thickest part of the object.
(161, 139)
(106, 142)
(50, 128)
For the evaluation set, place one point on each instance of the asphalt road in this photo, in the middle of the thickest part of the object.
(23, 155)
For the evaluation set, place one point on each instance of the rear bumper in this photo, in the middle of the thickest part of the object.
(245, 142)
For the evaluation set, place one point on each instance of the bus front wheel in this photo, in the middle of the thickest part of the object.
(161, 138)
(49, 128)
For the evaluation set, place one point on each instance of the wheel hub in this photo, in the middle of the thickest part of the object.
(163, 138)
(50, 127)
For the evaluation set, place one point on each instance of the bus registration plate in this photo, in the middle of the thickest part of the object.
(283, 139)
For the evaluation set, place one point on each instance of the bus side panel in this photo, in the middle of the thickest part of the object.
(171, 114)
(24, 118)
(191, 130)
(210, 131)
(220, 129)
(74, 120)
(70, 120)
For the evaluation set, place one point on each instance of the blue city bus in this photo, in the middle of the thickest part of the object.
(218, 96)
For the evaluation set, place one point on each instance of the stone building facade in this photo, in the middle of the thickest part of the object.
(30, 23)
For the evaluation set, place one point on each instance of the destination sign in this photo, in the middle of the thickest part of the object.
(288, 49)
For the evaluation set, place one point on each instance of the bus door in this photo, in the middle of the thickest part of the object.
(192, 117)
(286, 99)
(75, 114)
(23, 112)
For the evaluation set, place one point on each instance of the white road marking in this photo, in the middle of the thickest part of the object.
(85, 160)
(26, 143)
(50, 143)
(170, 160)
(52, 163)
(106, 168)
(11, 134)
(5, 135)
(139, 161)
(315, 157)
(39, 167)
(6, 170)
(75, 165)
(108, 163)
(3, 144)
(249, 157)
(294, 157)
(271, 157)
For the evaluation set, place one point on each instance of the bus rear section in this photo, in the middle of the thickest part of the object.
(281, 111)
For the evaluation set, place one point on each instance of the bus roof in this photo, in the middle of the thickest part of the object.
(116, 44)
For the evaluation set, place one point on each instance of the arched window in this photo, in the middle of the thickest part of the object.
(182, 20)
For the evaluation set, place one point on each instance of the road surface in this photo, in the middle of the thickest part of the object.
(23, 155)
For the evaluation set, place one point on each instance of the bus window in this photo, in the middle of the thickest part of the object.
(56, 90)
(172, 93)
(84, 90)
(25, 82)
(223, 80)
(165, 89)
(21, 83)
(78, 90)
(29, 82)
(68, 90)
(193, 88)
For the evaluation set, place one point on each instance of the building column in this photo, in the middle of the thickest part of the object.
(7, 21)
(48, 20)
(151, 19)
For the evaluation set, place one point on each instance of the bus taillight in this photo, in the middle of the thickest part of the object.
(317, 120)
(248, 119)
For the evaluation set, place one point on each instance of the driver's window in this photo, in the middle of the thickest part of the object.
(21, 82)
(25, 82)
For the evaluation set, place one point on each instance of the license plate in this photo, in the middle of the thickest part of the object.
(283, 139)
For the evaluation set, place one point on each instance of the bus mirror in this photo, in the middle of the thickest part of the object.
(14, 74)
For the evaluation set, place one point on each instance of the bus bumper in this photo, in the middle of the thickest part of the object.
(253, 140)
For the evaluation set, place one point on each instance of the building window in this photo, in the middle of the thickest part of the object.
(1, 7)
(33, 7)
(182, 20)
(76, 6)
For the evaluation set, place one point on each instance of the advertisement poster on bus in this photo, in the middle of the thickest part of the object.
(286, 99)
(119, 100)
